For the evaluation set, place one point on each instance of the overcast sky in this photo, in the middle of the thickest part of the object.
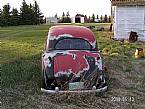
(51, 7)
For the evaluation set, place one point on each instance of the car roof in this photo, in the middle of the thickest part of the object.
(73, 31)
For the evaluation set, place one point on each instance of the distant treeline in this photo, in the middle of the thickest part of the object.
(97, 19)
(28, 15)
(65, 18)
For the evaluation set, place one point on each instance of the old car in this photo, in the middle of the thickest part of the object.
(71, 61)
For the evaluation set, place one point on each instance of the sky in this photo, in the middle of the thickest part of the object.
(50, 7)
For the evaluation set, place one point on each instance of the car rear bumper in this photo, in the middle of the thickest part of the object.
(74, 91)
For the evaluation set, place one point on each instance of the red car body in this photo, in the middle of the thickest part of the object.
(71, 56)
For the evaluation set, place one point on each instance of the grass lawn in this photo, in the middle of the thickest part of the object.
(20, 59)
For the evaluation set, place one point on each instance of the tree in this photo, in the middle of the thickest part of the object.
(86, 19)
(89, 20)
(32, 13)
(67, 14)
(97, 16)
(67, 19)
(62, 19)
(5, 15)
(29, 14)
(0, 17)
(93, 18)
(25, 14)
(101, 19)
(109, 19)
(56, 16)
(105, 19)
(38, 17)
(15, 19)
(63, 15)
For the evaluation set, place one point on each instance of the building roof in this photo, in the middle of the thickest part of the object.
(128, 2)
(79, 15)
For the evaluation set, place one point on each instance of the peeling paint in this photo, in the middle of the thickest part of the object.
(59, 36)
(71, 61)
(57, 32)
(72, 65)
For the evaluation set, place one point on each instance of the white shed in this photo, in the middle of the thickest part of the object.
(79, 18)
(51, 20)
(127, 16)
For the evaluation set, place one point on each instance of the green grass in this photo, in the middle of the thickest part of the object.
(21, 52)
(21, 41)
(20, 62)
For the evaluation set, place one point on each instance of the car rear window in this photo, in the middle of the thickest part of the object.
(72, 44)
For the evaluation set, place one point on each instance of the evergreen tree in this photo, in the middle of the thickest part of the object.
(32, 14)
(109, 19)
(67, 18)
(56, 16)
(105, 19)
(15, 19)
(63, 15)
(62, 18)
(67, 14)
(25, 14)
(0, 17)
(29, 14)
(97, 16)
(93, 18)
(89, 20)
(38, 17)
(101, 19)
(86, 19)
(5, 15)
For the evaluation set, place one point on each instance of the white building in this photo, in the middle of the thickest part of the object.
(79, 18)
(127, 16)
(51, 20)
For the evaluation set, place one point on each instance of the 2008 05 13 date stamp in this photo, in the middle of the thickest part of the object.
(122, 99)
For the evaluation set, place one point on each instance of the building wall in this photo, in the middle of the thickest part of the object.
(126, 19)
(73, 19)
(51, 20)
(82, 19)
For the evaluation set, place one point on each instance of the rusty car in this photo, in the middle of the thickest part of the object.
(71, 61)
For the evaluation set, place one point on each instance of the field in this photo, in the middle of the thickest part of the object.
(20, 61)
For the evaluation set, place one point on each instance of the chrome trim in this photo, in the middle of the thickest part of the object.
(74, 91)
